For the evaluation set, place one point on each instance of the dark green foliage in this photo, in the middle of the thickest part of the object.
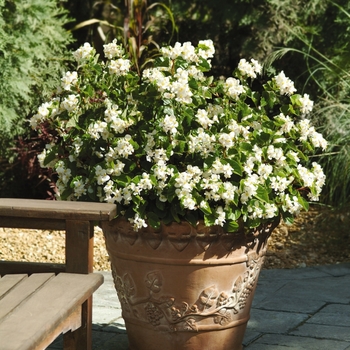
(317, 47)
(32, 56)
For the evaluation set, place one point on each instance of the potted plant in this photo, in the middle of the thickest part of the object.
(201, 170)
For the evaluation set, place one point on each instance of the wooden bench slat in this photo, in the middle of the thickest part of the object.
(32, 208)
(45, 313)
(25, 267)
(19, 293)
(8, 282)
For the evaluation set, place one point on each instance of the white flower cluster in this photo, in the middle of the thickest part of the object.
(68, 79)
(187, 51)
(284, 84)
(112, 50)
(175, 141)
(250, 69)
(83, 53)
(176, 88)
(233, 88)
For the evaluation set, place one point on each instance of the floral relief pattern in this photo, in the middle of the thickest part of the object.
(213, 306)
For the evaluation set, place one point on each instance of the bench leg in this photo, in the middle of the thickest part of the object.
(81, 338)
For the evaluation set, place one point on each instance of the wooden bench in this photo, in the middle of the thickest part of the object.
(39, 301)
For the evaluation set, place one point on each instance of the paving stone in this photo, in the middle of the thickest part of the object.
(319, 331)
(333, 314)
(292, 304)
(292, 274)
(106, 315)
(309, 296)
(250, 336)
(265, 321)
(284, 342)
(265, 289)
(108, 341)
(335, 270)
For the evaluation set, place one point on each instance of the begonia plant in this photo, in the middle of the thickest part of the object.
(173, 143)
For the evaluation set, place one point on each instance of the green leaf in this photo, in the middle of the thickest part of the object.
(262, 194)
(205, 207)
(192, 219)
(52, 155)
(209, 220)
(303, 202)
(153, 220)
(72, 122)
(231, 226)
(236, 166)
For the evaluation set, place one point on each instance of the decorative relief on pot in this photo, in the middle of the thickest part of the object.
(213, 308)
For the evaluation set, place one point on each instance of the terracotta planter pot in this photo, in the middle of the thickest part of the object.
(183, 288)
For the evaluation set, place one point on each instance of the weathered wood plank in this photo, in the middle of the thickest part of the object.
(66, 210)
(43, 316)
(24, 289)
(9, 282)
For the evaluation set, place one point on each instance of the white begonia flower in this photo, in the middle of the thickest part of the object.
(280, 184)
(188, 202)
(255, 212)
(145, 183)
(276, 153)
(221, 219)
(284, 84)
(202, 143)
(209, 51)
(250, 188)
(137, 222)
(64, 174)
(188, 52)
(68, 79)
(294, 156)
(291, 205)
(124, 148)
(118, 168)
(304, 128)
(101, 175)
(83, 53)
(203, 119)
(70, 103)
(112, 50)
(42, 113)
(317, 139)
(227, 140)
(270, 211)
(169, 124)
(228, 195)
(41, 158)
(256, 65)
(308, 131)
(119, 67)
(79, 188)
(306, 104)
(306, 175)
(233, 87)
(288, 123)
(196, 73)
(249, 69)
(97, 129)
(265, 170)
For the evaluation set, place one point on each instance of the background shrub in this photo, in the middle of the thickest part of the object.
(33, 42)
